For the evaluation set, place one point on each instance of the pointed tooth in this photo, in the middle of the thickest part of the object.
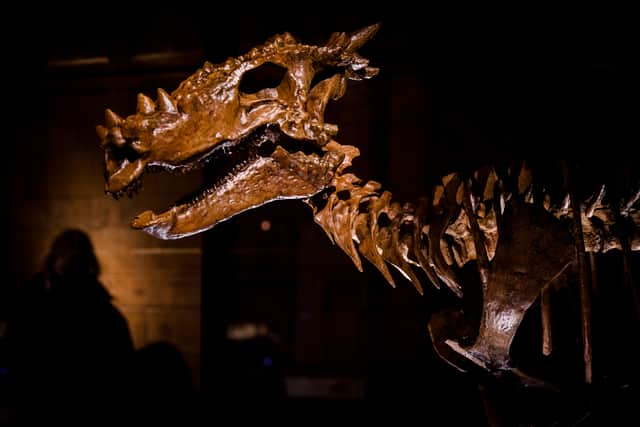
(111, 118)
(145, 104)
(165, 103)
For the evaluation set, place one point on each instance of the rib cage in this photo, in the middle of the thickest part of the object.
(456, 223)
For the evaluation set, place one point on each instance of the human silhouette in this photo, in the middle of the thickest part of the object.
(160, 369)
(68, 346)
(162, 382)
(254, 370)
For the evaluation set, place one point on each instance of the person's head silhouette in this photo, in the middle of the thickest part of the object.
(67, 340)
(72, 256)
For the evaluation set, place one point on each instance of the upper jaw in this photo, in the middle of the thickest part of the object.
(128, 150)
(131, 145)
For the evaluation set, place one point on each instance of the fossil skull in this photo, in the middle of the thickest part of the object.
(273, 143)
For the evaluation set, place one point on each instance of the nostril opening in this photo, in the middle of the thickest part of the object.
(125, 152)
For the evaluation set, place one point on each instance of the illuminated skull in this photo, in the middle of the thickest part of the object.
(274, 141)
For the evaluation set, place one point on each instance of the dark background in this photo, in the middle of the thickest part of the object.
(455, 90)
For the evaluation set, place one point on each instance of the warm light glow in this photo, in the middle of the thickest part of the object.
(247, 331)
(265, 225)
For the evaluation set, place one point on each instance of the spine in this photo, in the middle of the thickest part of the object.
(458, 222)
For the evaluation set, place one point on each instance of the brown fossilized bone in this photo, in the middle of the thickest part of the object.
(208, 117)
(274, 144)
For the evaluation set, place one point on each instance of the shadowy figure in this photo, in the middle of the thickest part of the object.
(253, 371)
(68, 346)
(163, 385)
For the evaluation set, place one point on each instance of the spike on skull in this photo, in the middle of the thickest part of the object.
(280, 131)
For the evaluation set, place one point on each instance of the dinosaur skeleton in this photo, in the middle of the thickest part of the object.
(274, 144)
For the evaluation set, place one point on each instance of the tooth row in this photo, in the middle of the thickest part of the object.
(130, 191)
(230, 175)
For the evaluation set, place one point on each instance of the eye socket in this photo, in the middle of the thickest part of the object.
(267, 75)
(126, 152)
(324, 74)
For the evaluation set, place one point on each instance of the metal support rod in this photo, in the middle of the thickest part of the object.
(585, 295)
(593, 263)
(545, 310)
(478, 237)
